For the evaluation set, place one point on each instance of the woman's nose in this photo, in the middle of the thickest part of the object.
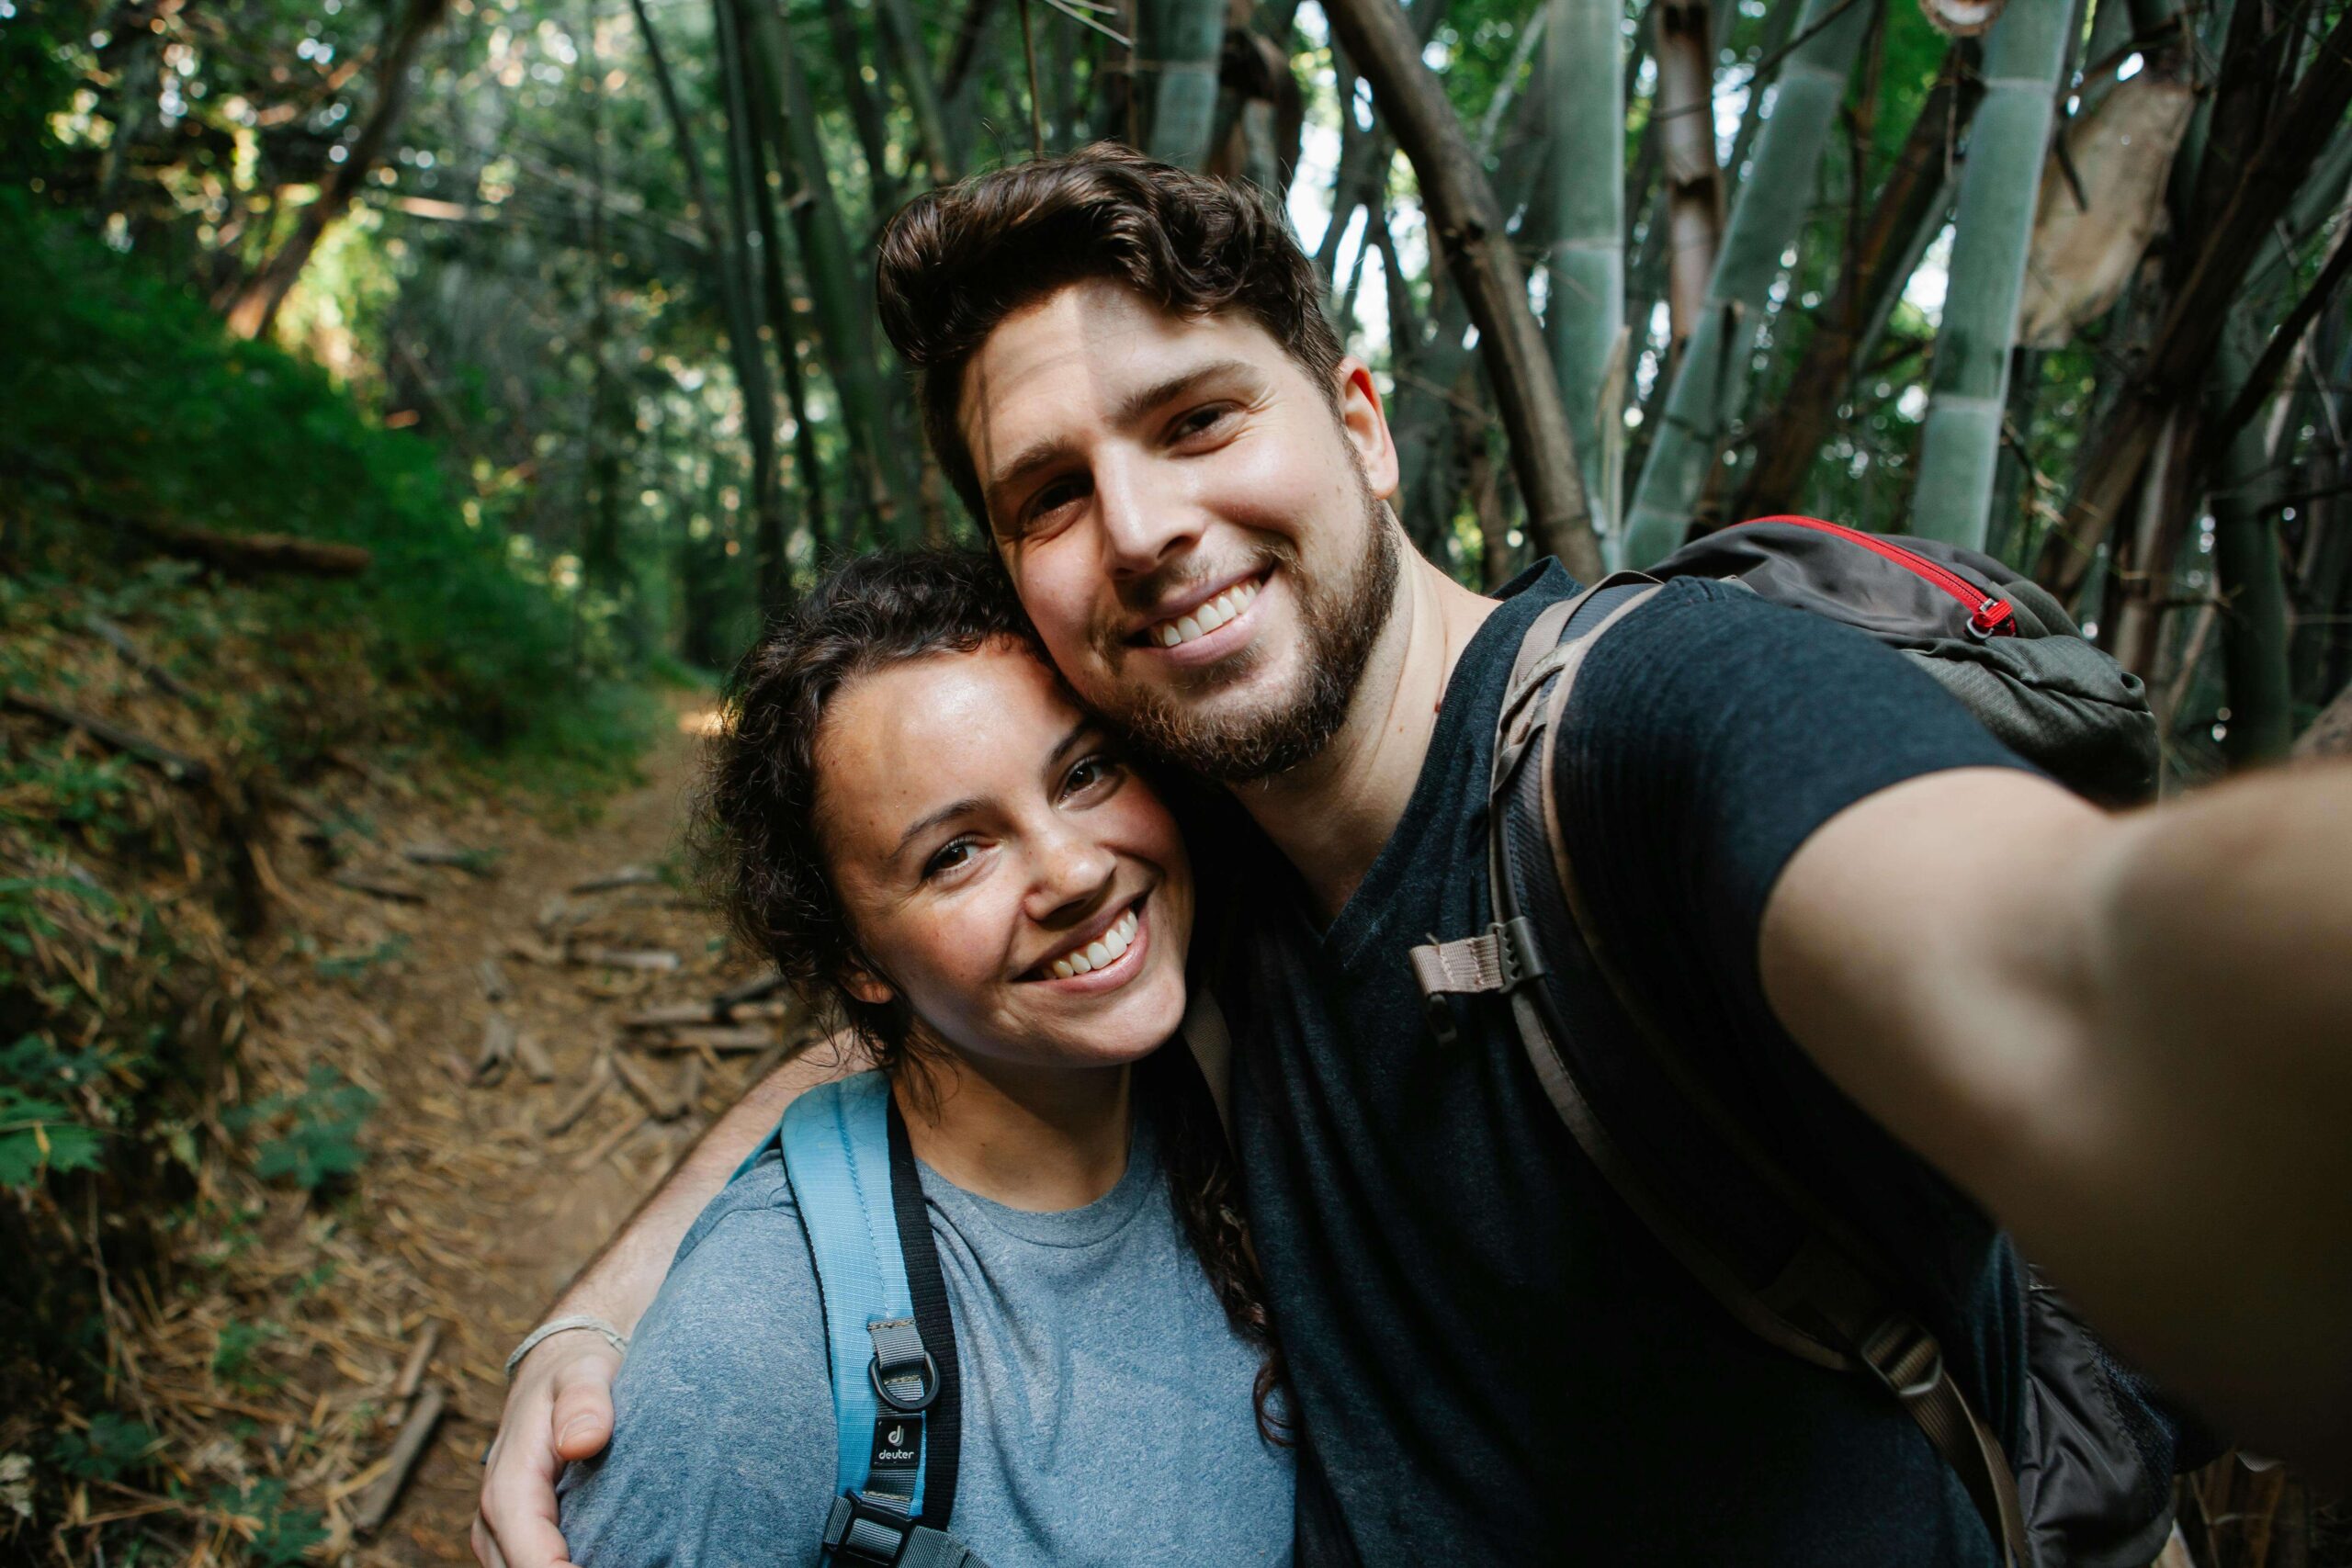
(1071, 869)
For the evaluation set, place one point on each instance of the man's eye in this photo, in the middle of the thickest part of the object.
(1052, 499)
(950, 856)
(1202, 421)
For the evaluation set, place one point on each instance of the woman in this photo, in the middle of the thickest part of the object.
(912, 817)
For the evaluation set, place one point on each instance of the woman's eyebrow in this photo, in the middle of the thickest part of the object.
(1068, 743)
(947, 813)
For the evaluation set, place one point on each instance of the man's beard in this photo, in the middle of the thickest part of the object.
(1337, 626)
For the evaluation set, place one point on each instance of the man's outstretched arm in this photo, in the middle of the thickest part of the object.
(2129, 1037)
(559, 1402)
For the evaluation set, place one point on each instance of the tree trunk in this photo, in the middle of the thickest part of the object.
(923, 93)
(2253, 587)
(1584, 315)
(1911, 201)
(1466, 222)
(865, 110)
(1992, 233)
(1709, 387)
(1684, 113)
(844, 311)
(256, 303)
(2185, 341)
(1431, 361)
(749, 207)
(1187, 36)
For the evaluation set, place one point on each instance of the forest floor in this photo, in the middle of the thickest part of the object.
(518, 1116)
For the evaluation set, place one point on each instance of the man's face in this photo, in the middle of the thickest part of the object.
(1196, 531)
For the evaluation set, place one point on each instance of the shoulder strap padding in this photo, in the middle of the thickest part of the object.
(1825, 1307)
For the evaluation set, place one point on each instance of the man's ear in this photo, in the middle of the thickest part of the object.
(1365, 423)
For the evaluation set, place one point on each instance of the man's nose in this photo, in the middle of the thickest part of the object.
(1143, 523)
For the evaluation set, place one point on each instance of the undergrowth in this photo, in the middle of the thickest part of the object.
(129, 886)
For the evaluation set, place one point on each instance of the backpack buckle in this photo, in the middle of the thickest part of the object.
(1901, 1355)
(864, 1528)
(1500, 958)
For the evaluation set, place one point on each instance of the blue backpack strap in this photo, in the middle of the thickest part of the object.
(888, 1338)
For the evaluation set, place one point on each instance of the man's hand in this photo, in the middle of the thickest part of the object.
(561, 1404)
(559, 1408)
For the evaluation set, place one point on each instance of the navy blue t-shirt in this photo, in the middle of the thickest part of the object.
(1494, 1361)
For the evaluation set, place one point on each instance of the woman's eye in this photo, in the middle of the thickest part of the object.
(950, 856)
(1091, 773)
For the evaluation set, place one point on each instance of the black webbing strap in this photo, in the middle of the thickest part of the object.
(944, 1420)
(1824, 1307)
(920, 1429)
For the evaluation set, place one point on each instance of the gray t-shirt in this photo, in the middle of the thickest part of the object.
(1106, 1402)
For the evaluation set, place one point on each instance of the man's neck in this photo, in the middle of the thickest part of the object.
(1330, 816)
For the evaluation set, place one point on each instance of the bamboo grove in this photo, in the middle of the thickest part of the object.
(2058, 279)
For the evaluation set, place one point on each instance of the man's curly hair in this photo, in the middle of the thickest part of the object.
(955, 263)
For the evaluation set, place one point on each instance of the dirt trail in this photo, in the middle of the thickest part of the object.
(474, 1205)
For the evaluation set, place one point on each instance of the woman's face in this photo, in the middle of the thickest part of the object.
(999, 865)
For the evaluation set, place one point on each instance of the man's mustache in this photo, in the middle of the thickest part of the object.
(1142, 596)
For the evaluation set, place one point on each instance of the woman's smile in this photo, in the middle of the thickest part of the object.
(1106, 955)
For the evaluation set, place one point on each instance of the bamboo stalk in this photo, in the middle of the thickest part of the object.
(1187, 36)
(1469, 226)
(1585, 307)
(1992, 233)
(1709, 387)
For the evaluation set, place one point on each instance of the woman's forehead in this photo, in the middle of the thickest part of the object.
(902, 740)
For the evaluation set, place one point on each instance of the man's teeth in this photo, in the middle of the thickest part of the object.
(1108, 947)
(1206, 618)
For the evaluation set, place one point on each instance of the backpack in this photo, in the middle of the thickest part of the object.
(2092, 1485)
(890, 1337)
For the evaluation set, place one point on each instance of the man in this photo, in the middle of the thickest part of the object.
(1948, 990)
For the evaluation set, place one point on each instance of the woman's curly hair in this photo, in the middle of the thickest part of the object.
(759, 854)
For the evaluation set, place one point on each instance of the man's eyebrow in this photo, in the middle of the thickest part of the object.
(1046, 452)
(947, 813)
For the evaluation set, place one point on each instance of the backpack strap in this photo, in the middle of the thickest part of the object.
(890, 1337)
(1819, 1303)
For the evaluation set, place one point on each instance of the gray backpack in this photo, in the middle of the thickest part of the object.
(2092, 1486)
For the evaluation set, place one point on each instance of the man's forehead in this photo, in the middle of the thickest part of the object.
(1085, 345)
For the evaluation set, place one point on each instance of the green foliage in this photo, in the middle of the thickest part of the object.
(114, 1446)
(234, 1351)
(39, 1131)
(282, 1535)
(123, 393)
(317, 1136)
(354, 965)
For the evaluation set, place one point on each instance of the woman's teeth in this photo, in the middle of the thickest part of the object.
(1206, 618)
(1108, 947)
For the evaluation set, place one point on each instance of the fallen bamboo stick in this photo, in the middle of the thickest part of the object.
(534, 1059)
(652, 960)
(707, 1036)
(174, 766)
(375, 1505)
(627, 877)
(599, 1075)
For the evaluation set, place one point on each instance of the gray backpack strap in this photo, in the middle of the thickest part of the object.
(1824, 1307)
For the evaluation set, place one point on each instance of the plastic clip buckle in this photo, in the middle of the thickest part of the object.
(861, 1530)
(1903, 1356)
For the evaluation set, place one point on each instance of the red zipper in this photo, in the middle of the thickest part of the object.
(1986, 616)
